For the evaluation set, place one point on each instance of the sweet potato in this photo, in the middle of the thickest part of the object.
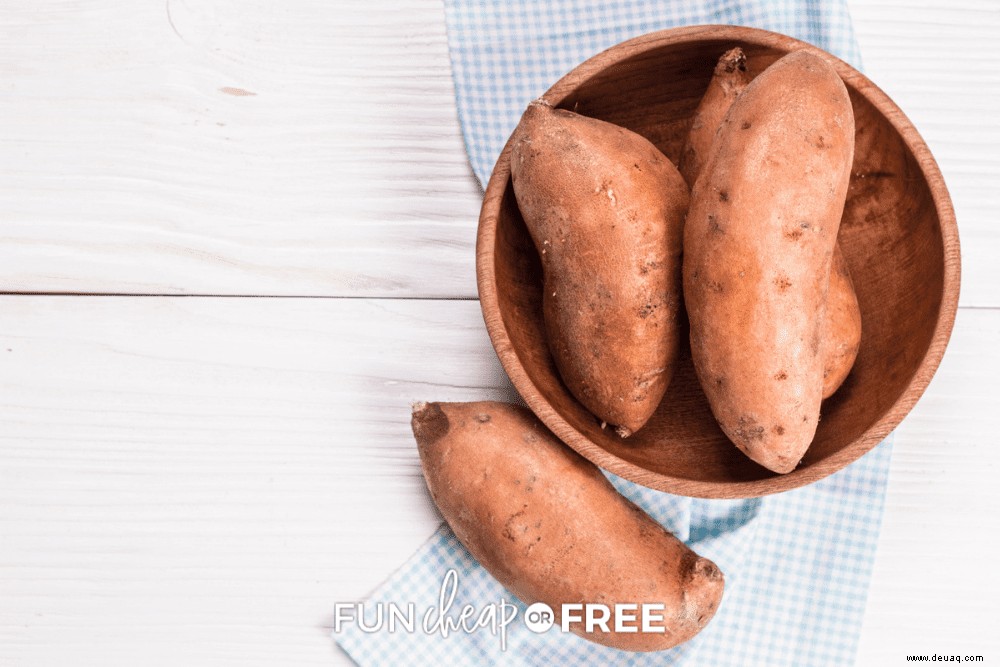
(758, 246)
(842, 327)
(605, 210)
(550, 527)
(728, 81)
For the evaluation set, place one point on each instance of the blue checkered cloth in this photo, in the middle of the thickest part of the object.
(797, 564)
(506, 53)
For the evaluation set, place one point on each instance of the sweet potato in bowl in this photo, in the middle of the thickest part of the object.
(898, 237)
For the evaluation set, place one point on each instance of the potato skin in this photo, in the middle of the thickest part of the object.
(758, 246)
(605, 210)
(842, 327)
(550, 527)
(728, 81)
(842, 334)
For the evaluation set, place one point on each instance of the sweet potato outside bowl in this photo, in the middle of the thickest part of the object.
(898, 235)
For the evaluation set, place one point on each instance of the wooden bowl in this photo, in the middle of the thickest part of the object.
(898, 235)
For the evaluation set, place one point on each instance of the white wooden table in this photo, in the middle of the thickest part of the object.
(236, 241)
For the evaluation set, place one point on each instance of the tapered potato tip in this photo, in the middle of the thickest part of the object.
(731, 61)
(705, 569)
(534, 112)
(429, 423)
(780, 463)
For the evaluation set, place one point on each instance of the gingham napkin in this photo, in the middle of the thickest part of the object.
(797, 564)
(505, 53)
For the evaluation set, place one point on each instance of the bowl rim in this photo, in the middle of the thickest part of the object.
(874, 434)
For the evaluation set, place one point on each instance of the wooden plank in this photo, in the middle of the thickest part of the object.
(232, 147)
(935, 587)
(198, 481)
(128, 164)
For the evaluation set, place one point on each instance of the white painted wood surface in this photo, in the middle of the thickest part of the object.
(130, 166)
(197, 480)
(231, 147)
(936, 585)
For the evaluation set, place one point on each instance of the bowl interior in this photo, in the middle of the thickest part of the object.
(891, 237)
